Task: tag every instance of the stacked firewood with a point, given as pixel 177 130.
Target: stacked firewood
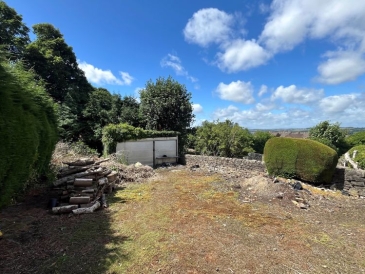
pixel 81 186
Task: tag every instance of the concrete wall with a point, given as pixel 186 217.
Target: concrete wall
pixel 148 151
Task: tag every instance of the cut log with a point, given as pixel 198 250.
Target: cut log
pixel 103 201
pixel 79 200
pixel 72 170
pixel 112 176
pixel 83 182
pixel 102 161
pixel 88 191
pixel 77 175
pixel 102 181
pixel 83 210
pixel 63 209
pixel 80 162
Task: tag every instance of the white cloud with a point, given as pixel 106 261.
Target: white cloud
pixel 197 108
pixel 126 78
pixel 174 62
pixel 337 103
pixel 264 107
pixel 292 21
pixel 263 90
pixel 292 94
pixel 263 8
pixel 208 26
pixel 99 76
pixel 236 91
pixel 242 55
pixel 137 95
pixel 341 66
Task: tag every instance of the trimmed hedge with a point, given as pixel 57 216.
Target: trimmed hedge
pixel 303 159
pixel 28 130
pixel 113 134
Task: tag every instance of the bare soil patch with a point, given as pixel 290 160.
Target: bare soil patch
pixel 186 221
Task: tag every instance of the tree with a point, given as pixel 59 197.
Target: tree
pixel 55 63
pixel 226 139
pixel 259 140
pixel 99 111
pixel 329 134
pixel 356 139
pixel 166 105
pixel 129 111
pixel 13 32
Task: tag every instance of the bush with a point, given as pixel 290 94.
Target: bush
pixel 356 139
pixel 113 134
pixel 28 130
pixel 360 155
pixel 303 159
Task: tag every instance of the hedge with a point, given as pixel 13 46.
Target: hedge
pixel 28 130
pixel 118 133
pixel 303 159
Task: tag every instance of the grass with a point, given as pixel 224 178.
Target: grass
pixel 187 222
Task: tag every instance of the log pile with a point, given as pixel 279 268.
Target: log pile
pixel 81 186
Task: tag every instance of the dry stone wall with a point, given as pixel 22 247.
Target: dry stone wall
pixel 351 181
pixel 230 167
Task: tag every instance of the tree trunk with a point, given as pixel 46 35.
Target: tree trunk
pixel 86 209
pixel 63 209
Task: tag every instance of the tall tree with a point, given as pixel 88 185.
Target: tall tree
pixel 329 134
pixel 13 32
pixel 55 63
pixel 100 110
pixel 166 105
pixel 129 111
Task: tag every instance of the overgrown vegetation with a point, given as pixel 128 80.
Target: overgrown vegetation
pixel 360 155
pixel 113 134
pixel 28 130
pixel 307 160
pixel 330 135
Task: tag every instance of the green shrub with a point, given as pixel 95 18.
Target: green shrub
pixel 28 130
pixel 303 159
pixel 356 139
pixel 113 134
pixel 360 155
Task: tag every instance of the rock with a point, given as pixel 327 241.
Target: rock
pixel 138 164
pixel 298 186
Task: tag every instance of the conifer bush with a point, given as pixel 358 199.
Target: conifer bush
pixel 303 159
pixel 28 130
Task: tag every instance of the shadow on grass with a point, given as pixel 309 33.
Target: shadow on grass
pixel 35 241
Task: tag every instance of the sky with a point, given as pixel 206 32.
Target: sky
pixel 263 64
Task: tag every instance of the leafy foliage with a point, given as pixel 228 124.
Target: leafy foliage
pixel 356 139
pixel 55 63
pixel 360 155
pixel 300 158
pixel 259 140
pixel 166 105
pixel 113 134
pixel 13 32
pixel 330 135
pixel 226 139
pixel 28 130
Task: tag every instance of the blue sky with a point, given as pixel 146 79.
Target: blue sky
pixel 262 64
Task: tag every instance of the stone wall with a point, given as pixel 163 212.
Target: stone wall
pixel 231 167
pixel 351 181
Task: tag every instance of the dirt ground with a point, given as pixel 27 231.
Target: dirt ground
pixel 185 221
